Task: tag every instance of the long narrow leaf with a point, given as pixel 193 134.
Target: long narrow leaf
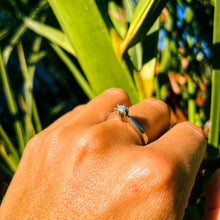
pixel 9 145
pixel 74 70
pixel 129 10
pixel 35 54
pixel 136 52
pixel 82 22
pixel 26 105
pixel 144 78
pixel 4 32
pixel 36 118
pixel 20 31
pixel 29 128
pixel 6 169
pixel 33 58
pixel 14 40
pixel 54 35
pixel 117 18
pixel 3 154
pixel 12 105
pixel 27 78
pixel 215 100
pixel 145 14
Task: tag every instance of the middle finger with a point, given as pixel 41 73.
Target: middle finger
pixel 153 116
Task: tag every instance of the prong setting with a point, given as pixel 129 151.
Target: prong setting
pixel 122 110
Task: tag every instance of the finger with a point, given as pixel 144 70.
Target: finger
pixel 66 117
pixel 185 142
pixel 181 150
pixel 212 215
pixel 125 132
pixel 184 147
pixel 69 115
pixel 97 109
pixel 213 194
pixel 153 116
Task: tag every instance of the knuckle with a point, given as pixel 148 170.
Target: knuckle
pixel 118 92
pixel 191 128
pixel 161 169
pixel 33 141
pixel 165 170
pixel 32 145
pixel 161 104
pixel 78 108
pixel 92 140
pixel 145 178
pixel 157 170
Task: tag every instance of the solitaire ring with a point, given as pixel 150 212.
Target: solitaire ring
pixel 121 111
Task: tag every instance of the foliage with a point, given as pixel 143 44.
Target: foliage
pixel 157 48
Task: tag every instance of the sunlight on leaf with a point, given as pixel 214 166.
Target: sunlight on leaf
pixel 145 14
pixel 51 33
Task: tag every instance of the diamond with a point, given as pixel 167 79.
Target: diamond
pixel 122 109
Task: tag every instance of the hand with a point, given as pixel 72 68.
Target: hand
pixel 85 167
pixel 213 198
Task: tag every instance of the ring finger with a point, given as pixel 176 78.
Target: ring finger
pixel 153 116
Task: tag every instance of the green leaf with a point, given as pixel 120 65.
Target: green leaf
pixel 12 105
pixel 189 13
pixel 54 35
pixel 117 18
pixel 191 100
pixel 165 56
pixel 5 168
pixel 36 118
pixel 9 145
pixel 20 31
pixel 215 100
pixel 129 10
pixel 4 33
pixel 136 55
pixel 27 79
pixel 145 14
pixel 13 41
pixel 144 78
pixel 7 158
pixel 136 52
pixel 33 58
pixel 26 105
pixel 82 22
pixel 74 70
pixel 35 54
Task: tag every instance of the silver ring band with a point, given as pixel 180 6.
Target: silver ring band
pixel 121 111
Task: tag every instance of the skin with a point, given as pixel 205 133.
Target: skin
pixel 213 198
pixel 85 167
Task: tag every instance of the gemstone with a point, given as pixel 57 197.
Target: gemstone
pixel 121 108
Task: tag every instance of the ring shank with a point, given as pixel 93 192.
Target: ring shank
pixel 138 129
pixel 132 123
